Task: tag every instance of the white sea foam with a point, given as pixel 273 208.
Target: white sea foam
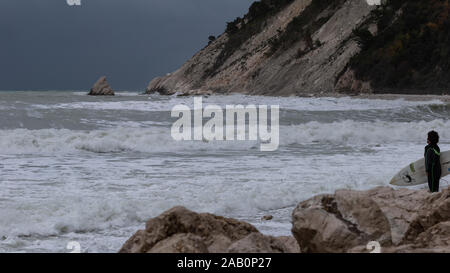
pixel 290 103
pixel 65 214
pixel 109 201
pixel 124 124
pixel 158 139
pixel 355 132
pixel 50 141
pixel 320 104
pixel 117 94
pixel 100 185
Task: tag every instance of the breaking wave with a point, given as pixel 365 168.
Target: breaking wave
pixel 158 139
pixel 353 132
pixel 288 103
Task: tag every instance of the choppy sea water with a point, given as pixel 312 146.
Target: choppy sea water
pixel 94 169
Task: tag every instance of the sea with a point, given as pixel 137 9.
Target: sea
pixel 93 170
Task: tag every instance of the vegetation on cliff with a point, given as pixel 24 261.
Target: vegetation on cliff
pixel 302 26
pixel 411 51
pixel 285 47
pixel 242 29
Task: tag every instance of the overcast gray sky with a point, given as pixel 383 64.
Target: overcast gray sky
pixel 48 45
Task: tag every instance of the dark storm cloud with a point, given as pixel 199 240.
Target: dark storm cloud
pixel 46 44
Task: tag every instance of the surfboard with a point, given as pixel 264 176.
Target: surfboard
pixel 414 174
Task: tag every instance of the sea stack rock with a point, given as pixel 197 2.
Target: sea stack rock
pixel 101 88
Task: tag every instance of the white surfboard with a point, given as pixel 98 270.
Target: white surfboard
pixel 414 174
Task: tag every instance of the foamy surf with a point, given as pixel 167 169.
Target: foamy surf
pixel 94 170
pixel 150 104
pixel 158 139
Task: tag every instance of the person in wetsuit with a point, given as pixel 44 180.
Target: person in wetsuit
pixel 432 161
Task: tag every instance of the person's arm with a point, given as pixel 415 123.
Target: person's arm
pixel 428 160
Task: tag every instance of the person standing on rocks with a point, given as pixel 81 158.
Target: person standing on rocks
pixel 432 161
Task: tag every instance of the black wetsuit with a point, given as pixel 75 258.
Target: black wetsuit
pixel 433 166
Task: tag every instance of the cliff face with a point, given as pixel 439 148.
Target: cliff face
pixel 278 48
pixel 300 47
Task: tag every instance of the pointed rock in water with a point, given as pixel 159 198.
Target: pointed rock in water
pixel 179 230
pixel 101 88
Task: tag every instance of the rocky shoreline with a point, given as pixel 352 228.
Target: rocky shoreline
pixel 398 220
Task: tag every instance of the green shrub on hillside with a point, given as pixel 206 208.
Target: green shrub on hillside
pixel 309 21
pixel 411 51
pixel 242 29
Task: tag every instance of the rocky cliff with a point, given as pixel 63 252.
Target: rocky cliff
pixel 299 47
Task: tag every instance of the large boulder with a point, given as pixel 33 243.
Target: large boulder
pixel 180 230
pixel 399 220
pixel 101 88
pixel 259 243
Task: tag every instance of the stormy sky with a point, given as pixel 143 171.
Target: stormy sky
pixel 49 45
